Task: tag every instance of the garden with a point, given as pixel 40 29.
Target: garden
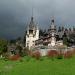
pixel 35 64
pixel 43 66
pixel 26 62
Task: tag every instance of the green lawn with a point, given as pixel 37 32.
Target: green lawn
pixel 37 67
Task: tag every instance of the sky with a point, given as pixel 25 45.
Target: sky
pixel 15 15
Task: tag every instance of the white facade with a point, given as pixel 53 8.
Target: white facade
pixel 32 34
pixel 52 33
pixel 53 41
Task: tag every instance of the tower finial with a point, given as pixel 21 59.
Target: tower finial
pixel 32 18
pixel 52 19
pixel 32 11
pixel 32 15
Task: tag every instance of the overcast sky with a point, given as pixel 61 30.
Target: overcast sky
pixel 16 14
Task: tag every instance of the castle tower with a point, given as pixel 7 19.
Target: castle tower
pixel 32 34
pixel 53 33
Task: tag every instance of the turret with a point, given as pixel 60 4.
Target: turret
pixel 52 27
pixel 32 34
pixel 52 33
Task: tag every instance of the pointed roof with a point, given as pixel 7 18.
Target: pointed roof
pixel 52 21
pixel 32 24
pixel 52 24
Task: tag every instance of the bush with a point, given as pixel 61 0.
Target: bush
pixel 52 53
pixel 68 54
pixel 14 57
pixel 36 54
pixel 60 56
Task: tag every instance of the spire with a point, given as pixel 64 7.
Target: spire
pixel 32 12
pixel 32 19
pixel 31 24
pixel 52 20
pixel 52 27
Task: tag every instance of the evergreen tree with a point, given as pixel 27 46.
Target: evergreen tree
pixel 3 46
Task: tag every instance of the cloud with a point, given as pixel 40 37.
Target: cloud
pixel 15 15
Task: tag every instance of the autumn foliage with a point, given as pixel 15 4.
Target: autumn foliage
pixel 68 54
pixel 52 53
pixel 14 57
pixel 36 54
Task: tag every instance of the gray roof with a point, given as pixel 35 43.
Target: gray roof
pixel 32 24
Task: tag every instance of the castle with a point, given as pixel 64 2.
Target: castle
pixel 32 36
pixel 52 39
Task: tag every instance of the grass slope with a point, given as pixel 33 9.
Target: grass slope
pixel 37 67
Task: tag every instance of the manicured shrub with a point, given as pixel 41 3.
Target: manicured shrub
pixel 14 57
pixel 36 54
pixel 68 54
pixel 60 56
pixel 52 53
